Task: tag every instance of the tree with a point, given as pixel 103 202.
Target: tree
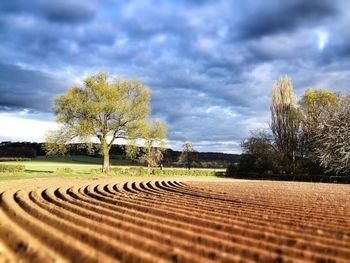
pixel 102 110
pixel 259 154
pixel 187 155
pixel 313 103
pixel 332 137
pixel 154 136
pixel 285 121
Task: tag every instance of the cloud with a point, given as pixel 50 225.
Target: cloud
pixel 271 17
pixel 27 89
pixel 16 128
pixel 210 64
pixel 60 11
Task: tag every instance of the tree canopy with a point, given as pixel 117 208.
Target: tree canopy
pixel 102 110
pixel 313 103
pixel 285 121
pixel 154 137
pixel 332 137
pixel 188 154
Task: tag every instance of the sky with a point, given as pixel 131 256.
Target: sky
pixel 210 65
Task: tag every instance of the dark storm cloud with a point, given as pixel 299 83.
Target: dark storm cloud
pixel 271 17
pixel 61 11
pixel 210 64
pixel 26 89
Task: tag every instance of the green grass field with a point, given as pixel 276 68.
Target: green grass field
pixel 80 166
pixel 78 163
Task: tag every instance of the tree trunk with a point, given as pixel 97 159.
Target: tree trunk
pixel 294 162
pixel 105 167
pixel 188 163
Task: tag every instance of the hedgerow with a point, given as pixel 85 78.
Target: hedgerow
pixel 11 168
pixel 14 159
pixel 141 171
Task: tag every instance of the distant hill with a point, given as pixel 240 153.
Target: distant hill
pixel 202 159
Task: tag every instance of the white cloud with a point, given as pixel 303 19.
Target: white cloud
pixel 16 128
pixel 322 39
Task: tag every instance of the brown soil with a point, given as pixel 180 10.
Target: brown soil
pixel 173 220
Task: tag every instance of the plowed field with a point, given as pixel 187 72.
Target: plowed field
pixel 173 220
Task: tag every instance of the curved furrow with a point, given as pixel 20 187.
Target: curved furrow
pixel 170 221
pixel 247 244
pixel 149 190
pixel 135 186
pixel 273 207
pixel 17 242
pixel 27 215
pixel 296 221
pixel 288 235
pixel 245 233
pixel 181 184
pixel 145 221
pixel 229 211
pixel 206 191
pixel 119 245
pixel 285 215
pixel 127 189
pixel 274 204
pixel 142 228
pixel 150 186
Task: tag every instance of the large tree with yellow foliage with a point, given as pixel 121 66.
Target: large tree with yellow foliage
pixel 103 110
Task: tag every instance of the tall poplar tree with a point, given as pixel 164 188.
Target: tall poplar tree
pixel 285 121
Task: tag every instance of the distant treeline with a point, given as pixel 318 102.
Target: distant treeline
pixel 201 159
pixel 21 149
pixel 31 150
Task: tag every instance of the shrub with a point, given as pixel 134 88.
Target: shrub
pixel 185 172
pixel 142 171
pixel 340 179
pixel 134 171
pixel 10 168
pixel 232 169
pixel 96 171
pixel 64 170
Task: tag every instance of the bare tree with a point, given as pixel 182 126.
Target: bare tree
pixel 187 156
pixel 332 137
pixel 285 121
pixel 154 136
